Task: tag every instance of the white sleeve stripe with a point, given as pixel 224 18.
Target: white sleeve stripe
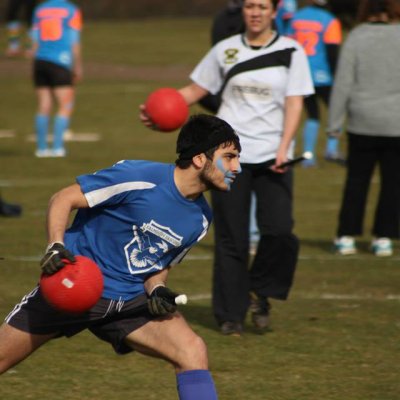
pixel 99 195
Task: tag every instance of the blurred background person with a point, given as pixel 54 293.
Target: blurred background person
pixel 57 67
pixel 18 14
pixel 284 14
pixel 366 90
pixel 320 33
pixel 262 77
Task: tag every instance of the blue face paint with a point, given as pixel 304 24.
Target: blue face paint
pixel 228 175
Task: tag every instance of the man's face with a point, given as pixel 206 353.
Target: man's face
pixel 220 172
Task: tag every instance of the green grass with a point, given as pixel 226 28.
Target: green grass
pixel 337 336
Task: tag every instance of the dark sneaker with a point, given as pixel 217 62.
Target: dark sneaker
pixel 231 328
pixel 336 158
pixel 259 307
pixel 10 210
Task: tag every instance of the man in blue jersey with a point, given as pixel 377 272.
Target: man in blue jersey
pixel 57 67
pixel 320 33
pixel 136 220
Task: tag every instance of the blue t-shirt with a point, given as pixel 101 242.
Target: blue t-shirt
pixel 314 28
pixel 137 223
pixel 56 28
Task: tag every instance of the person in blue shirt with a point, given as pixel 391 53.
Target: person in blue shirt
pixel 284 14
pixel 320 33
pixel 57 68
pixel 136 220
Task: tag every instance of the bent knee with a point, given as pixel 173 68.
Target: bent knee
pixel 193 354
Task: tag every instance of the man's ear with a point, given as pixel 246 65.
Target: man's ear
pixel 199 160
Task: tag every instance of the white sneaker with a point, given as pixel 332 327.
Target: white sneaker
pixel 345 245
pixel 43 153
pixel 58 153
pixel 382 247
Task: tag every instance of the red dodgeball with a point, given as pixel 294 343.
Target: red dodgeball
pixel 75 288
pixel 167 109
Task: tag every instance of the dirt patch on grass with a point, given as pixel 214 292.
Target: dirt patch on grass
pixel 15 68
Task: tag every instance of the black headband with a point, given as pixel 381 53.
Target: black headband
pixel 210 142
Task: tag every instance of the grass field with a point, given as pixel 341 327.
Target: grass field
pixel 336 338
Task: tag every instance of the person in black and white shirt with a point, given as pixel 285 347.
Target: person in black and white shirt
pixel 263 77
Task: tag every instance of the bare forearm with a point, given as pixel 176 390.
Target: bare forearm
pixel 60 206
pixel 193 93
pixel 159 279
pixel 293 110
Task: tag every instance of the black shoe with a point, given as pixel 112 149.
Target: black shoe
pixel 231 328
pixel 336 158
pixel 10 210
pixel 259 307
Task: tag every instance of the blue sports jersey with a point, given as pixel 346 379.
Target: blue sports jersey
pixel 56 28
pixel 284 13
pixel 137 223
pixel 314 28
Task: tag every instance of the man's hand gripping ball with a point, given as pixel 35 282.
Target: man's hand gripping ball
pixel 53 259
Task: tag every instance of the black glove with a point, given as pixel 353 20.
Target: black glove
pixel 162 301
pixel 52 260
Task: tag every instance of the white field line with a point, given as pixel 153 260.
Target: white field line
pixel 72 137
pixel 323 296
pixel 7 133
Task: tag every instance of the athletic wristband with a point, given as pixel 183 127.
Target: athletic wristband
pixel 155 287
pixel 52 244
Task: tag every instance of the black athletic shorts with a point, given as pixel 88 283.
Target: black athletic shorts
pixel 109 320
pixel 48 74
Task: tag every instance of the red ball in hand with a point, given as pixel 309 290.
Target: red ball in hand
pixel 167 108
pixel 75 288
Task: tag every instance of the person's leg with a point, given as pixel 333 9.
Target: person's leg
pixel 173 340
pixel 387 214
pixel 16 345
pixel 273 268
pixel 65 99
pixel 45 102
pixel 231 227
pixel 362 157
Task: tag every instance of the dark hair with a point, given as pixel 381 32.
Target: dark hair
pixel 275 3
pixel 371 8
pixel 203 134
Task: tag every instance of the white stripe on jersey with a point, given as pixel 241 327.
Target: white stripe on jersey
pixel 19 305
pixel 99 195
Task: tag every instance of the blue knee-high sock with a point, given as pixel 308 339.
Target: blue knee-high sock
pixel 196 385
pixel 310 134
pixel 41 128
pixel 332 145
pixel 60 126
